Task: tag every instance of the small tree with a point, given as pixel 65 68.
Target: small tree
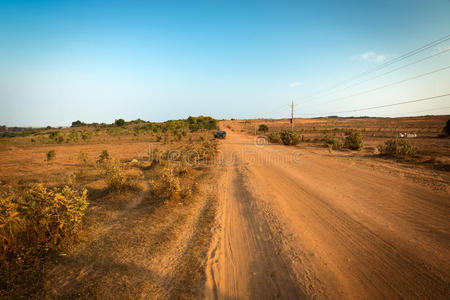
pixel 119 122
pixel 263 128
pixel 78 123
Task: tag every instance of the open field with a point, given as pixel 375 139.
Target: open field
pixel 146 230
pixel 433 149
pixel 173 213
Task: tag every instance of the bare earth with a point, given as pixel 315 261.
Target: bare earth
pixel 305 223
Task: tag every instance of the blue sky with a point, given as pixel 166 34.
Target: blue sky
pixel 96 61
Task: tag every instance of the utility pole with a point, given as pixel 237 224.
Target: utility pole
pixel 292 115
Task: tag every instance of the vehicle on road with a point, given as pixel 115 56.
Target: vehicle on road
pixel 220 134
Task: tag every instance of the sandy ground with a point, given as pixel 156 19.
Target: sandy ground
pixel 305 223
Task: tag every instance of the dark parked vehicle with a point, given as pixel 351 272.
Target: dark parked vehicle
pixel 220 135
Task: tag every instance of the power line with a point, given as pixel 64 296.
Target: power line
pixel 388 63
pixel 387 105
pixel 380 75
pixel 384 86
pixel 418 111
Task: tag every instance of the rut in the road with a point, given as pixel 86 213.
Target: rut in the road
pixel 254 264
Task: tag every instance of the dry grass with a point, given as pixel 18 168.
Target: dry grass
pixel 431 145
pixel 138 231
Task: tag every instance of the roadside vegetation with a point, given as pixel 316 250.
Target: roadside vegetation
pixel 46 217
pixel 352 140
pixel 85 133
pixel 290 137
pixel 400 148
pixel 421 140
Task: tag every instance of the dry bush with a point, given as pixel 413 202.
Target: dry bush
pixel 333 142
pixel 112 171
pixel 103 156
pixel 37 216
pixel 158 157
pixel 290 137
pixel 166 185
pixel 274 137
pixel 50 155
pixel 263 128
pixel 183 168
pixel 353 140
pixel 398 148
pixel 83 158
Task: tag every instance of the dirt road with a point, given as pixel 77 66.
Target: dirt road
pixel 306 223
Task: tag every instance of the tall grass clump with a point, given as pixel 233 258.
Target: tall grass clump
pixel 398 148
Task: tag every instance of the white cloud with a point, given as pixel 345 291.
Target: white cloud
pixel 370 56
pixel 295 84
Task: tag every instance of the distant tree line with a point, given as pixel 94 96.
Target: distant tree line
pixel 192 123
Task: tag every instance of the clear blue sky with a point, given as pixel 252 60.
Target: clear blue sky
pixel 95 61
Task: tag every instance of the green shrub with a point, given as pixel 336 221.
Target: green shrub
pixel 56 137
pixel 274 137
pixel 37 216
pixel 353 140
pixel 398 148
pixel 73 137
pixel 290 137
pixel 86 135
pixel 50 155
pixel 333 141
pixel 263 128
